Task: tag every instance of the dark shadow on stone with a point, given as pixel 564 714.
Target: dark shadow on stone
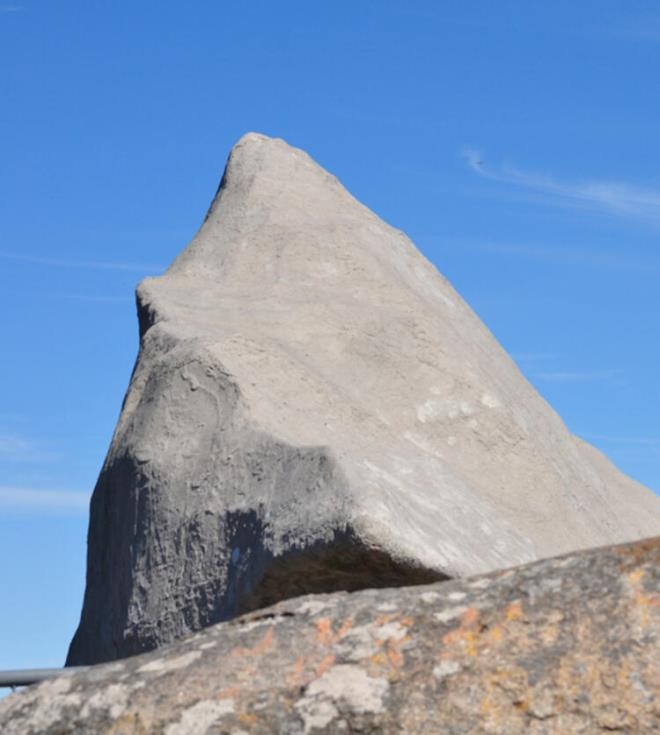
pixel 343 564
pixel 246 577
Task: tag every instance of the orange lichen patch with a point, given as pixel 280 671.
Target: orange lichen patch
pixel 467 634
pixel 454 636
pixel 395 657
pixel 325 635
pixel 325 664
pixel 470 617
pixel 644 601
pixel 635 554
pixel 228 693
pixel 295 676
pixel 346 626
pixel 324 631
pixel 514 612
pixel 265 644
pixel 460 636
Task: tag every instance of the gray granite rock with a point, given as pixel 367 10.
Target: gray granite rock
pixel 563 646
pixel 315 408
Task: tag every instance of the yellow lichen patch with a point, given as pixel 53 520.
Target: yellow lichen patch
pixel 130 722
pixel 467 634
pixel 633 555
pixel 247 718
pixel 514 612
pixel 471 643
pixel 549 634
pixel 644 602
pixel 616 692
pixel 505 689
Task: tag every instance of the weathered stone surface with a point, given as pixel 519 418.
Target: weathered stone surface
pixel 562 646
pixel 315 408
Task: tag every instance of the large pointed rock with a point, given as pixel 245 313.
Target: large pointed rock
pixel 315 408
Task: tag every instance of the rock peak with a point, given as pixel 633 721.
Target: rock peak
pixel 274 203
pixel 315 408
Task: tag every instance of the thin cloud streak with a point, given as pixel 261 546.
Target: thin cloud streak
pixel 617 198
pixel 599 258
pixel 565 376
pixel 533 356
pixel 639 28
pixel 13 445
pixel 43 500
pixel 651 441
pixel 15 448
pixel 575 256
pixel 84 264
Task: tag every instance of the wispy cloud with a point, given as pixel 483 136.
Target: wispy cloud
pixel 13 445
pixel 637 28
pixel 613 197
pixel 533 356
pixel 67 501
pixel 10 8
pixel 16 448
pixel 641 441
pixel 578 376
pixel 84 264
pixel 577 256
pixel 97 298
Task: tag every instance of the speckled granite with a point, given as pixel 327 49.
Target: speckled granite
pixel 567 645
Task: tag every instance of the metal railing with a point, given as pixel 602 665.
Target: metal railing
pixel 25 677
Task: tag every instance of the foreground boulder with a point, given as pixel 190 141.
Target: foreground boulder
pixel 315 408
pixel 569 645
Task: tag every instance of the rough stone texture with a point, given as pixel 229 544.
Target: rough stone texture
pixel 315 408
pixel 570 645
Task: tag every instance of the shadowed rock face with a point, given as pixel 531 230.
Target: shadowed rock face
pixel 562 646
pixel 315 408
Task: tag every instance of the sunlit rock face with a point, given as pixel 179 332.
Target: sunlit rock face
pixel 314 408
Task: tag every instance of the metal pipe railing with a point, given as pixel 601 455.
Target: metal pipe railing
pixel 25 677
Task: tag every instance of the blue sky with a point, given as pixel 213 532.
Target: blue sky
pixel 515 142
